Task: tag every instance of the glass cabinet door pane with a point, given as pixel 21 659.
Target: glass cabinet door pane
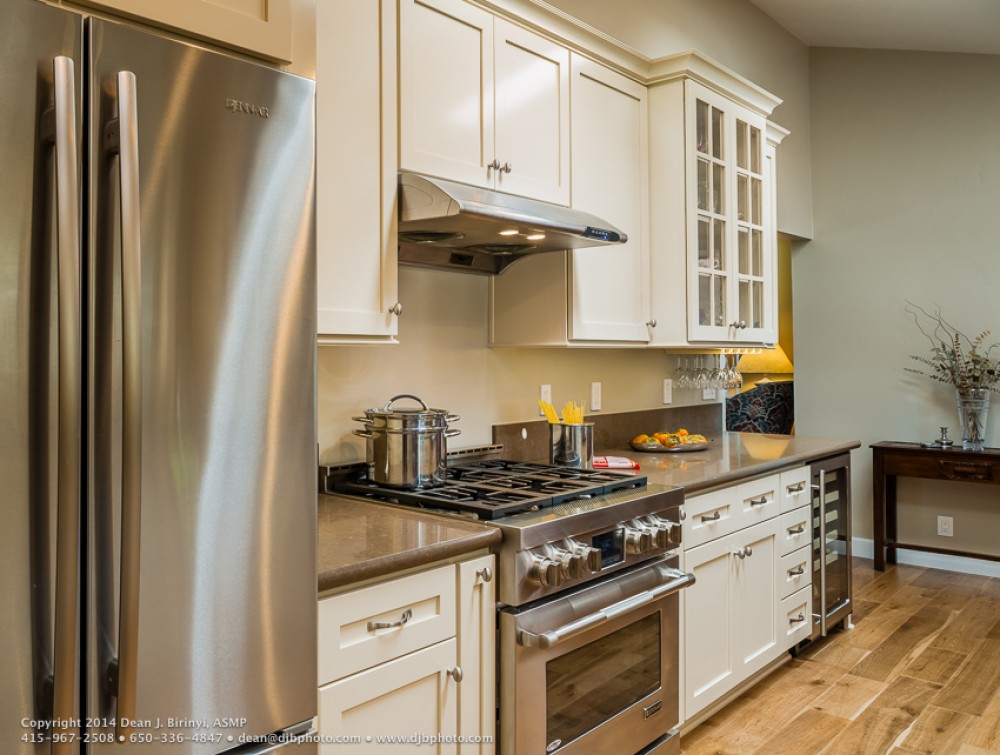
pixel 745 314
pixel 719 245
pixel 741 146
pixel 705 299
pixel 703 183
pixel 757 319
pixel 720 300
pixel 755 200
pixel 744 251
pixel 701 125
pixel 718 189
pixel 704 245
pixel 741 197
pixel 717 135
pixel 755 150
pixel 757 254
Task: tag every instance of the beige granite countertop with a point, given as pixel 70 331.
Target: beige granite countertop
pixel 360 540
pixel 731 457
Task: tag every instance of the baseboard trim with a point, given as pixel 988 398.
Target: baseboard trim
pixel 864 547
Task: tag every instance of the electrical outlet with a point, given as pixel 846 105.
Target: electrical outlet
pixel 545 394
pixel 946 526
pixel 595 397
pixel 708 394
pixel 668 391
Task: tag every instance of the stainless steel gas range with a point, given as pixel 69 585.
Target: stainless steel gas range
pixel 588 586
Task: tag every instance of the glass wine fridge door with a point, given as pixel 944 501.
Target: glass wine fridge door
pixel 831 508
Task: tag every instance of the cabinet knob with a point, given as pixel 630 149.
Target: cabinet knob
pixel 651 323
pixel 738 324
pixel 485 574
pixel 495 165
pixel 396 309
pixel 506 168
pixel 456 673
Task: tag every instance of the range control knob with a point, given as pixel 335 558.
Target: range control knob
pixel 591 556
pixel 662 531
pixel 637 541
pixel 544 572
pixel 571 565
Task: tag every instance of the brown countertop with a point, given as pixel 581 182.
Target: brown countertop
pixel 731 457
pixel 360 540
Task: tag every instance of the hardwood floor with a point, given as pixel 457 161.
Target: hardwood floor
pixel 919 673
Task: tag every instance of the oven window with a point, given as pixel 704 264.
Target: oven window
pixel 591 684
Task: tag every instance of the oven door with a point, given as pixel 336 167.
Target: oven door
pixel 593 670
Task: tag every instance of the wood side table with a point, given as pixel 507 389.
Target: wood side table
pixel 892 459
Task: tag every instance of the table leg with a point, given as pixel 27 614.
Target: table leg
pixel 890 519
pixel 878 509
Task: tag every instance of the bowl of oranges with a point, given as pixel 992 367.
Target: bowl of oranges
pixel 678 441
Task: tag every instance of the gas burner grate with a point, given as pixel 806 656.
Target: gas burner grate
pixel 492 489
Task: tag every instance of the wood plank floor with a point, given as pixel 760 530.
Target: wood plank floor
pixel 919 673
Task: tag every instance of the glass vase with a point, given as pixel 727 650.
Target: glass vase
pixel 973 405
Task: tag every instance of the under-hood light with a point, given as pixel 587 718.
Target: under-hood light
pixel 509 232
pixel 536 237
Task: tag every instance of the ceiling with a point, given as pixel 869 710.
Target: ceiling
pixel 971 26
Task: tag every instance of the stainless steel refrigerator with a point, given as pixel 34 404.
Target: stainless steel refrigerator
pixel 157 418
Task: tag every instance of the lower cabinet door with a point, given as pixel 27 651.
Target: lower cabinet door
pixel 709 664
pixel 405 704
pixel 757 639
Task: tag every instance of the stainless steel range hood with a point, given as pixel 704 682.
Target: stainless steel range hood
pixel 465 228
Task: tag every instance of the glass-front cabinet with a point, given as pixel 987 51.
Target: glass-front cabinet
pixel 731 274
pixel 712 220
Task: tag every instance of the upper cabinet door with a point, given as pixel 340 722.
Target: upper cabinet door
pixel 532 114
pixel 609 286
pixel 356 243
pixel 446 90
pixel 260 27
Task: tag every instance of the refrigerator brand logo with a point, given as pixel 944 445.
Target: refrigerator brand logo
pixel 236 106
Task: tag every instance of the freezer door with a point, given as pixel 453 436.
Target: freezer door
pixel 39 371
pixel 203 456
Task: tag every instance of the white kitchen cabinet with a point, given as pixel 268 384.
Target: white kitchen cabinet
pixel 411 656
pixel 259 27
pixel 597 295
pixel 714 275
pixel 482 101
pixel 753 582
pixel 356 240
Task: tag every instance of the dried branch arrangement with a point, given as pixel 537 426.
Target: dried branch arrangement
pixel 955 358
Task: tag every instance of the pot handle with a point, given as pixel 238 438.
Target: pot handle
pixel 388 407
pixel 361 419
pixel 452 418
pixel 362 434
pixel 449 433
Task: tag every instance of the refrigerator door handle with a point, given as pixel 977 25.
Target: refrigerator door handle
pixel 69 401
pixel 126 671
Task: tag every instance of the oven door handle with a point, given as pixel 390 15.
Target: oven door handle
pixel 554 636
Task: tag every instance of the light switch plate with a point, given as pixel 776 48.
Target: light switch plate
pixel 545 394
pixel 595 397
pixel 708 394
pixel 668 391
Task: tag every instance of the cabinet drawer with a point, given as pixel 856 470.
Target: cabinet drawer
pixel 796 616
pixel 795 572
pixel 709 516
pixel 794 530
pixel 757 500
pixel 794 488
pixel 419 609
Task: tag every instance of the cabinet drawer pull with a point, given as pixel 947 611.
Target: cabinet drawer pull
pixel 798 571
pixel 797 488
pixel 711 517
pixel 456 673
pixel 485 574
pixel 758 501
pixel 797 619
pixel 407 615
pixel 797 530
